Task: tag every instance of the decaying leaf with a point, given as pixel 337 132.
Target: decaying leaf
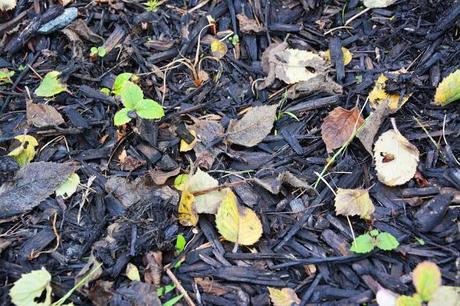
pixel 6 5
pixel 160 177
pixel 218 48
pixel 184 146
pixel 69 187
pixel 427 279
pixel 132 272
pixel 274 184
pixel 339 125
pixel 248 25
pixel 187 214
pixel 42 115
pixel 235 223
pixel 24 153
pixel 445 296
pixel 50 85
pixel 255 125
pixel 30 287
pixel 283 297
pixel 347 56
pixel 351 202
pixel 379 95
pixel 448 90
pixel 211 286
pixel 207 131
pixel 385 297
pixel 396 158
pixel 367 133
pixel 378 3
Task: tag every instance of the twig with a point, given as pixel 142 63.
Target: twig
pixel 180 288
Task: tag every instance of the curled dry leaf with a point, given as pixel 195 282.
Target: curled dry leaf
pixel 351 202
pixel 339 126
pixel 207 131
pixel 255 125
pixel 378 95
pixel 367 134
pixel 283 297
pixel 248 25
pixel 396 158
pixel 448 90
pixel 378 3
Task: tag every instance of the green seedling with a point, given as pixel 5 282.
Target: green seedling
pixel 98 51
pixel 367 242
pixel 132 98
pixel 234 39
pixel 152 5
pixel 5 76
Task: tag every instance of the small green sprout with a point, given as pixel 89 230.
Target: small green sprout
pixel 152 5
pixel 234 39
pixel 367 242
pixel 5 76
pixel 98 51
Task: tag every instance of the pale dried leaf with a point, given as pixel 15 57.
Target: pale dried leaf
pixel 378 3
pixel 160 177
pixel 367 134
pixel 209 202
pixel 283 297
pixel 6 5
pixel 42 115
pixel 386 297
pixel 255 125
pixel 352 202
pixel 248 25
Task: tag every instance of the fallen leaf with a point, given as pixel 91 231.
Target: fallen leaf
pixel 283 297
pixel 351 202
pixel 153 268
pixel 30 287
pixel 448 90
pixel 347 56
pixel 160 177
pixel 50 85
pixel 69 187
pixel 248 25
pixel 206 203
pixel 385 297
pixel 180 181
pixel 207 131
pixel 135 294
pixel 184 146
pixel 6 5
pixel 367 133
pixel 100 292
pixel 32 184
pixel 339 125
pixel 427 279
pixel 187 214
pixel 218 49
pixel 211 286
pixel 378 95
pixel 255 125
pixel 404 300
pixel 132 272
pixel 274 184
pixel 445 296
pixel 235 223
pixel 378 3
pixel 42 115
pixel 25 152
pixel 396 158
pixel 5 75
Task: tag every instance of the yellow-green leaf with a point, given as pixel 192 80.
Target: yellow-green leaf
pixel 68 188
pixel 283 297
pixel 404 300
pixel 50 85
pixel 448 90
pixel 180 181
pixel 445 296
pixel 132 272
pixel 235 223
pixel 218 48
pixel 25 152
pixel 427 279
pixel 351 202
pixel 5 75
pixel 29 287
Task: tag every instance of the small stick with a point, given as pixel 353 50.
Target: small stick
pixel 204 191
pixel 180 288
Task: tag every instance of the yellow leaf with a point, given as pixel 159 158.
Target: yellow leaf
pixel 283 297
pixel 378 95
pixel 448 90
pixel 187 214
pixel 351 202
pixel 427 279
pixel 347 56
pixel 235 223
pixel 396 158
pixel 184 146
pixel 25 152
pixel 132 272
pixel 218 48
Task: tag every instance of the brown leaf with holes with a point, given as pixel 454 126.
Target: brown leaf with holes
pixel 339 126
pixel 42 115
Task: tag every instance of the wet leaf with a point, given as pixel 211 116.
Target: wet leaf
pixel 42 115
pixel 120 81
pixel 363 244
pixel 50 85
pixel 449 89
pixel 396 158
pixel 69 187
pixel 445 296
pixel 283 297
pixel 5 74
pixel 347 56
pixel 386 241
pixel 378 3
pixel 237 224
pixel 6 5
pixel 184 146
pixel 339 125
pixel 218 48
pixel 255 125
pixel 352 202
pixel 30 287
pixel 378 95
pixel 132 272
pixel 427 279
pixel 404 300
pixel 187 214
pixel 25 152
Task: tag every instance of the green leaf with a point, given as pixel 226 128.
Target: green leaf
pixel 166 289
pixel 29 287
pixel 101 51
pixel 131 95
pixel 149 109
pixel 386 241
pixel 105 91
pixel 50 85
pixel 374 233
pixel 180 181
pixel 173 301
pixel 5 76
pixel 448 90
pixel 404 300
pixel 180 243
pixel 120 80
pixel 93 51
pixel 363 244
pixel 427 279
pixel 121 117
pixel 68 188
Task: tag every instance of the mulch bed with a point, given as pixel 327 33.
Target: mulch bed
pixel 306 249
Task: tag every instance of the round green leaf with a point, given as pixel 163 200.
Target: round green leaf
pixel 120 80
pixel 386 242
pixel 404 300
pixel 180 243
pixel 427 279
pixel 121 117
pixel 131 95
pixel 68 188
pixel 149 109
pixel 363 244
pixel 180 181
pixel 374 233
pixel 101 51
pixel 50 85
pixel 29 287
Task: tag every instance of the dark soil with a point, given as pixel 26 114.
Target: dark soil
pixel 306 249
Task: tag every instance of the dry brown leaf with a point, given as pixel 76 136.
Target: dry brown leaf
pixel 248 25
pixel 255 125
pixel 396 158
pixel 160 177
pixel 339 126
pixel 352 202
pixel 206 132
pixel 283 297
pixel 367 134
pixel 153 268
pixel 211 286
pixel 42 115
